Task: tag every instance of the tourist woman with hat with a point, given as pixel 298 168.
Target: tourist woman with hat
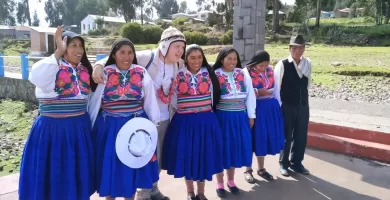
pixel 127 93
pixel 235 112
pixel 162 64
pixel 58 158
pixel 193 142
pixel 292 82
pixel 267 133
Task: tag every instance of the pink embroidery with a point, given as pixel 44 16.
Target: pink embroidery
pixel 67 85
pixel 119 85
pixel 263 80
pixel 224 84
pixel 203 83
pixel 239 81
pixel 187 85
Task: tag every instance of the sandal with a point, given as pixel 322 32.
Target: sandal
pixel 265 175
pixel 249 176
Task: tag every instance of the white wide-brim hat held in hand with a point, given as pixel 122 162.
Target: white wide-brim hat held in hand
pixel 136 142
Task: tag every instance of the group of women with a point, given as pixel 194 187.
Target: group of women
pixel 222 115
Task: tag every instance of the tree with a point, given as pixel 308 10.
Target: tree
pixel 275 16
pixel 20 14
pixel 99 22
pixel 35 21
pixel 183 7
pixel 318 13
pixel 199 3
pixel 7 8
pixel 140 4
pixel 55 11
pixel 207 7
pixel 27 12
pixel 125 8
pixel 149 13
pixel 165 8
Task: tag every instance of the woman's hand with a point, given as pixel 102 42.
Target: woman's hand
pixel 263 92
pixel 61 43
pixel 98 74
pixel 251 122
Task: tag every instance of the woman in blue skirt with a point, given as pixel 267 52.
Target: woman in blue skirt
pixel 58 158
pixel 127 93
pixel 193 143
pixel 235 112
pixel 268 131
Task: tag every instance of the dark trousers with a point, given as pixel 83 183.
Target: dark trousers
pixel 296 121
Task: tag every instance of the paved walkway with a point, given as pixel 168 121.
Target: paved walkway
pixel 334 177
pixel 369 116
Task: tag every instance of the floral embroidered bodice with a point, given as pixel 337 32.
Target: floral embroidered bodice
pixel 233 84
pixel 72 82
pixel 263 80
pixel 193 84
pixel 123 85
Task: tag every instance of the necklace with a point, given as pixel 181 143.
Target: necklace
pixel 167 98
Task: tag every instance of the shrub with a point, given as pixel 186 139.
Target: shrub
pixel 211 40
pixel 94 32
pixel 132 31
pixel 227 38
pixel 180 21
pixel 151 34
pixel 195 37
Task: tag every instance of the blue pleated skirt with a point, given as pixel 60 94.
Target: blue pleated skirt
pixel 193 146
pixel 58 160
pixel 115 179
pixel 236 138
pixel 268 130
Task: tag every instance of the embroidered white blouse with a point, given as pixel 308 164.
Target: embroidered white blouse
pixel 189 84
pixel 133 84
pixel 156 72
pixel 58 79
pixel 238 85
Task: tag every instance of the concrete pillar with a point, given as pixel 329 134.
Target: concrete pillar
pixel 248 27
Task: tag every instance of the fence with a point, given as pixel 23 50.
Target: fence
pixel 24 66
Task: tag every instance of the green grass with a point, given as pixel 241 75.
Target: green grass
pixel 15 122
pixel 373 31
pixel 338 22
pixel 344 21
pixel 354 61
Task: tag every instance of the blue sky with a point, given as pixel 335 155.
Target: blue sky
pixel 34 4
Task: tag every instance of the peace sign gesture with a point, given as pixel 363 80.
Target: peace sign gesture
pixel 61 43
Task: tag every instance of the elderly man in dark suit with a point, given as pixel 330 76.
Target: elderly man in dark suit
pixel 292 81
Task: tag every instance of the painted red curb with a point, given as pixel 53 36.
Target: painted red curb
pixel 375 151
pixel 348 132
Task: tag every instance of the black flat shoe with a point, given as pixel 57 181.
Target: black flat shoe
pixel 191 198
pixel 300 169
pixel 221 192
pixel 198 198
pixel 234 190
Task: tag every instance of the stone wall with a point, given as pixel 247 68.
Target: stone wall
pixel 17 89
pixel 249 27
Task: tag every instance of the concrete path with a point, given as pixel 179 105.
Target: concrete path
pixel 368 116
pixel 334 177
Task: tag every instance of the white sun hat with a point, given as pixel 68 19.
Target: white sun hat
pixel 136 142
